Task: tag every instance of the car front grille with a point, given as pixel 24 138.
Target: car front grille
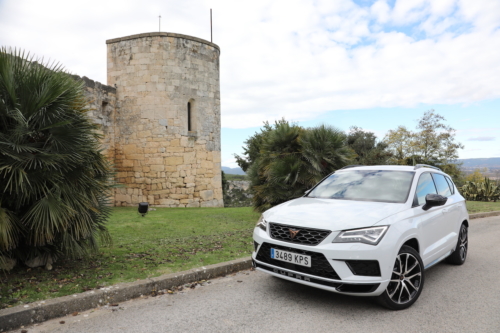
pixel 304 236
pixel 319 264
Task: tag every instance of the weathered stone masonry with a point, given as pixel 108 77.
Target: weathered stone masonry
pixel 144 117
pixel 102 109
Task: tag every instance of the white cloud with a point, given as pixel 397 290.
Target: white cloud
pixel 485 14
pixel 442 7
pixel 409 11
pixel 381 11
pixel 230 163
pixel 295 59
pixel 483 138
pixel 481 131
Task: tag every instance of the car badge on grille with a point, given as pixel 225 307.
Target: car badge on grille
pixel 293 233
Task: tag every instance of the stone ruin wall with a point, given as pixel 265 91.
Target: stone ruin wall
pixel 156 157
pixel 102 104
pixel 144 120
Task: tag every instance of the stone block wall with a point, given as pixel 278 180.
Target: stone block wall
pixel 102 109
pixel 157 157
pixel 102 106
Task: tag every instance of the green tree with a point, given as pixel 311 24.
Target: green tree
pixel 433 143
pixel 224 186
pixel 366 147
pixel 292 159
pixel 401 143
pixel 477 176
pixel 224 182
pixel 54 181
pixel 251 150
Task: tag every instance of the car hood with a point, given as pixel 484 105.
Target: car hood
pixel 331 214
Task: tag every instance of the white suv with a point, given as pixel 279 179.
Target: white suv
pixel 366 231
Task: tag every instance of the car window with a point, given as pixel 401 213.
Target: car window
pixel 442 185
pixel 452 186
pixel 425 186
pixel 366 185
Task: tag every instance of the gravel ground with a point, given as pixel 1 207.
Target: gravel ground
pixel 455 299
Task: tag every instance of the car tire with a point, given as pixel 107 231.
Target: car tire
pixel 407 280
pixel 458 256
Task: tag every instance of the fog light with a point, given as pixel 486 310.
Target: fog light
pixel 143 208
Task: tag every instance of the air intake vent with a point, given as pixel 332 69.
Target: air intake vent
pixel 364 267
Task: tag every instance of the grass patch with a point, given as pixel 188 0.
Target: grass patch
pixel 482 207
pixel 166 240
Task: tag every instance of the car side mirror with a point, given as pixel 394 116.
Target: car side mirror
pixel 433 200
pixel 307 192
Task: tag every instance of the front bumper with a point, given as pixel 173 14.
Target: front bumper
pixel 335 274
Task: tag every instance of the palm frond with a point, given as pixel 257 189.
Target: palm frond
pixel 54 181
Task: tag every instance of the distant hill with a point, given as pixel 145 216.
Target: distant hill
pixel 233 171
pixel 493 162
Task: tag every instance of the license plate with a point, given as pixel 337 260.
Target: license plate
pixel 294 258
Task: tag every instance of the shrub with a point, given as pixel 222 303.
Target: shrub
pixel 481 191
pixel 54 181
pixel 292 159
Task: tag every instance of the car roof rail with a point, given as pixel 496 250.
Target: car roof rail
pixel 351 166
pixel 418 166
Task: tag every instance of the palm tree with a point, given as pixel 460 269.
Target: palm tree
pixel 54 181
pixel 293 159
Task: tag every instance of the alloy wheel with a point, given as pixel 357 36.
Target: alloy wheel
pixel 463 242
pixel 405 280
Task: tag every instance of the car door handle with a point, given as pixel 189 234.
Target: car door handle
pixel 445 210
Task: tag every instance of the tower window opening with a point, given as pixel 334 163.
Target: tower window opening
pixel 189 117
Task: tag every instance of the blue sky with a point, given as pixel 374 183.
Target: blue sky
pixel 372 64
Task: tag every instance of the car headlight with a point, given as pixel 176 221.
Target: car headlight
pixel 370 236
pixel 262 223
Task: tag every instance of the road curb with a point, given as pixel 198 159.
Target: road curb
pixel 481 215
pixel 24 315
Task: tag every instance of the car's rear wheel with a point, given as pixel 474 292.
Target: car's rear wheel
pixel 407 280
pixel 458 256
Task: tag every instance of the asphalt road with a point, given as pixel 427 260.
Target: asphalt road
pixel 455 299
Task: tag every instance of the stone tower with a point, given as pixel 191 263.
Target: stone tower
pixel 167 124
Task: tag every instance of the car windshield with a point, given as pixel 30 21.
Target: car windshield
pixel 366 185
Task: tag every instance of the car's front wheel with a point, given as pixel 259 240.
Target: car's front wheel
pixel 407 280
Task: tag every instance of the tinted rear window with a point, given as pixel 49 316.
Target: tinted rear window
pixel 366 185
pixel 452 186
pixel 442 185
